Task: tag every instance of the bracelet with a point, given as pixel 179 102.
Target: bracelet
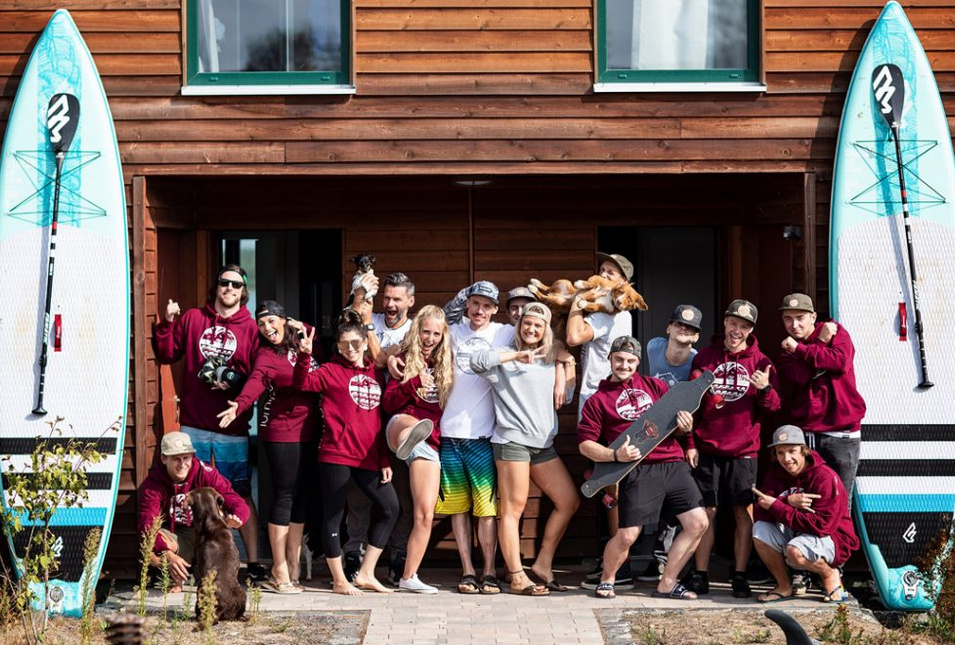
pixel 615 459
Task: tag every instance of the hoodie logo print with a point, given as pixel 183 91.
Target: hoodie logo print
pixel 217 342
pixel 632 403
pixel 364 391
pixel 462 355
pixel 293 359
pixel 732 381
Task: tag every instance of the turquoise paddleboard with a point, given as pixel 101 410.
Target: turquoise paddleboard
pixel 905 491
pixel 86 377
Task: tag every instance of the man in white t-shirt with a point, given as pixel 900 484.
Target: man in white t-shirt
pixel 596 331
pixel 384 332
pixel 468 477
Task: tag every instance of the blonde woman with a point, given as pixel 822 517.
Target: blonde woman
pixel 416 401
pixel 522 379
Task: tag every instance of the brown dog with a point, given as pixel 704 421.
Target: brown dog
pixel 215 551
pixel 601 295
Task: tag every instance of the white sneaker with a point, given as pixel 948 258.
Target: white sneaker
pixel 419 432
pixel 414 585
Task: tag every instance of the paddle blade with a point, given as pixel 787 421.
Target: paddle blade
pixel 888 88
pixel 62 117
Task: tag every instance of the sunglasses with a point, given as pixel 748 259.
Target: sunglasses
pixel 235 284
pixel 350 344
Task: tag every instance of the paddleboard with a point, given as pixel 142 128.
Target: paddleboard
pixel 87 371
pixel 905 490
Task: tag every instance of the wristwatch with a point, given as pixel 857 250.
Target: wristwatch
pixel 369 327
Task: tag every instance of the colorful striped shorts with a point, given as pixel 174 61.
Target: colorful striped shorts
pixel 468 478
pixel 228 454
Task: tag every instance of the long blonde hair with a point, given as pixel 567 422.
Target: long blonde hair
pixel 550 353
pixel 440 355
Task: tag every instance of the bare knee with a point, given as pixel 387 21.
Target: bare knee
pixel 695 522
pixel 424 517
pixel 794 556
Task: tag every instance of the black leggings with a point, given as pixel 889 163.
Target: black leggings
pixel 333 479
pixel 287 467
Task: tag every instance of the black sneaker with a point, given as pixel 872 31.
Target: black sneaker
pixel 758 574
pixel 257 572
pixel 396 567
pixel 741 586
pixel 352 564
pixel 593 576
pixel 623 581
pixel 697 581
pixel 651 573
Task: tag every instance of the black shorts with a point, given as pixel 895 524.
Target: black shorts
pixel 730 479
pixel 649 489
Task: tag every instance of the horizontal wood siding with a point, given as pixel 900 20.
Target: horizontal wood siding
pixel 457 88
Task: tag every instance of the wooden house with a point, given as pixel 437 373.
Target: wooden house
pixel 469 139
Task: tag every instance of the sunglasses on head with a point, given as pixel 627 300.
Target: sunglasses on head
pixel 235 284
pixel 350 344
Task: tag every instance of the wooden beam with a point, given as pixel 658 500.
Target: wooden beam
pixel 809 233
pixel 138 274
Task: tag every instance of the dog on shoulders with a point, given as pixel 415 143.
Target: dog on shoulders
pixel 600 294
pixel 215 550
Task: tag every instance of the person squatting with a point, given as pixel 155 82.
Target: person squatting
pixel 447 412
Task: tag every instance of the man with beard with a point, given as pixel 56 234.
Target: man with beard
pixel 725 442
pixel 222 332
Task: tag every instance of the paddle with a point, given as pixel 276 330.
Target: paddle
pixel 62 117
pixel 888 88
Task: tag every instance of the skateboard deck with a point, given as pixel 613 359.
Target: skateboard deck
pixel 648 431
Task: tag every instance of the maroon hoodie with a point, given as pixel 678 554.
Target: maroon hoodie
pixel 287 415
pixel 197 335
pixel 351 402
pixel 727 423
pixel 819 383
pixel 831 511
pixel 159 495
pixel 411 398
pixel 616 405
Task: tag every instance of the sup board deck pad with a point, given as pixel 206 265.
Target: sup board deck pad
pixel 904 495
pixel 87 374
pixel 649 430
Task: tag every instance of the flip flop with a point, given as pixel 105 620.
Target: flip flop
pixel 841 598
pixel 490 585
pixel 678 592
pixel 774 596
pixel 468 585
pixel 284 588
pixel 605 590
pixel 553 585
pixel 530 590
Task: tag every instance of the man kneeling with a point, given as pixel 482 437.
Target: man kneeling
pixel 802 518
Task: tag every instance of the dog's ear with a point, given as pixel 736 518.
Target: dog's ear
pixel 220 500
pixel 188 499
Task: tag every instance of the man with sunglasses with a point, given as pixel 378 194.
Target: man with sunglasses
pixel 221 334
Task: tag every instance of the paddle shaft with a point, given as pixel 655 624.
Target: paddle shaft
pixel 926 383
pixel 51 264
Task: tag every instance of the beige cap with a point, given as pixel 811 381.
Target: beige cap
pixel 176 443
pixel 623 263
pixel 538 310
pixel 797 301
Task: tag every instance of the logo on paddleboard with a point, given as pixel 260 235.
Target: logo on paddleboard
pixel 731 381
pixel 632 403
pixel 909 536
pixel 910 584
pixel 364 391
pixel 217 342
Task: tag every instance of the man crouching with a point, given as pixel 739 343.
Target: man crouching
pixel 802 518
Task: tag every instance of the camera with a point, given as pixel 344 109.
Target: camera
pixel 215 373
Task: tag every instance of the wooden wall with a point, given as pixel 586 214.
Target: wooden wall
pixel 465 88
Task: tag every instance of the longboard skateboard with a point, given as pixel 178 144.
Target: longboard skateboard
pixel 648 431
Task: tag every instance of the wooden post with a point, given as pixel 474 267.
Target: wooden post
pixel 138 275
pixel 809 234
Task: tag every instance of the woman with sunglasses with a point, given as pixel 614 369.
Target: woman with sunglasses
pixel 416 401
pixel 351 448
pixel 522 381
pixel 288 429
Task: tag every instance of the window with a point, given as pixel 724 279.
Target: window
pixel 267 46
pixel 678 44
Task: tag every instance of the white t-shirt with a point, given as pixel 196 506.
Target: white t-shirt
pixel 469 413
pixel 387 336
pixel 595 355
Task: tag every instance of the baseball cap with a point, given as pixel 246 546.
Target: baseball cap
pixel 627 344
pixel 520 292
pixel 484 288
pixel 537 309
pixel 788 435
pixel 176 443
pixel 623 263
pixel 269 308
pixel 742 309
pixel 797 301
pixel 688 315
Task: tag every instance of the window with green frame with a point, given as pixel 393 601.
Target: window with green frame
pixel 678 41
pixel 267 42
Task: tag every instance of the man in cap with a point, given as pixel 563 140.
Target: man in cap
pixel 163 495
pixel 468 476
pixel 817 373
pixel 802 518
pixel 516 299
pixel 662 478
pixel 724 446
pixel 222 332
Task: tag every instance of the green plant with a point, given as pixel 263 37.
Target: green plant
pixel 255 600
pixel 146 545
pixel 88 623
pixel 207 602
pixel 839 630
pixel 650 636
pixel 165 584
pixel 54 478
